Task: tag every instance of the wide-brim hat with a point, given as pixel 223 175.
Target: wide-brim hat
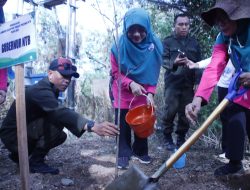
pixel 64 66
pixel 235 9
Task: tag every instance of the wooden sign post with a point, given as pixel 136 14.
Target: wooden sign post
pixel 18 46
pixel 21 127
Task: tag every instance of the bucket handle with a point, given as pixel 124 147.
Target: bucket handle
pixel 152 110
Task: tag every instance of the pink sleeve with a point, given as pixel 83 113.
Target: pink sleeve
pixel 125 81
pixel 212 73
pixel 3 79
pixel 151 89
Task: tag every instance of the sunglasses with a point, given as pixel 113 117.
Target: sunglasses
pixel 66 66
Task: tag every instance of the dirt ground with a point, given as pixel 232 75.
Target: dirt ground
pixel 88 163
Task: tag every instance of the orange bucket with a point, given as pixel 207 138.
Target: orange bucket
pixel 141 119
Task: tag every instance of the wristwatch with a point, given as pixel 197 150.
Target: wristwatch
pixel 90 125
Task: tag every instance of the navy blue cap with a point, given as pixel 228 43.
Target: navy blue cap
pixel 64 66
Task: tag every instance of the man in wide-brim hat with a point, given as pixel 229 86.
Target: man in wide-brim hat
pixel 233 20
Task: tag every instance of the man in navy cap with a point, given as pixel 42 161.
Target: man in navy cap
pixel 46 118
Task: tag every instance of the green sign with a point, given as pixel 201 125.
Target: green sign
pixel 18 41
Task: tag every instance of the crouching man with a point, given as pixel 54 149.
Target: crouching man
pixel 46 118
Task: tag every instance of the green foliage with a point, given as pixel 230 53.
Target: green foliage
pixel 162 22
pixel 47 38
pixel 97 49
pixel 208 109
pixel 193 8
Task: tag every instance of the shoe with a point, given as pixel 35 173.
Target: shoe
pixel 169 143
pixel 180 141
pixel 14 157
pixel 41 167
pixel 145 159
pixel 222 158
pixel 123 163
pixel 228 169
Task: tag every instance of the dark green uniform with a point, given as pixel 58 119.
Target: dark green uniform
pixel 179 82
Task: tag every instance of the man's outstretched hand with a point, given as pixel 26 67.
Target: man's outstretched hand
pixel 105 129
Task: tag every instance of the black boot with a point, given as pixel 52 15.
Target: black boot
pixel 37 164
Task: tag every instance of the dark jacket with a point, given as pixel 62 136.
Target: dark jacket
pixel 42 102
pixel 180 76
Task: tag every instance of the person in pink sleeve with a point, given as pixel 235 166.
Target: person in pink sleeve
pixel 3 85
pixel 139 53
pixel 233 20
pixel 3 72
